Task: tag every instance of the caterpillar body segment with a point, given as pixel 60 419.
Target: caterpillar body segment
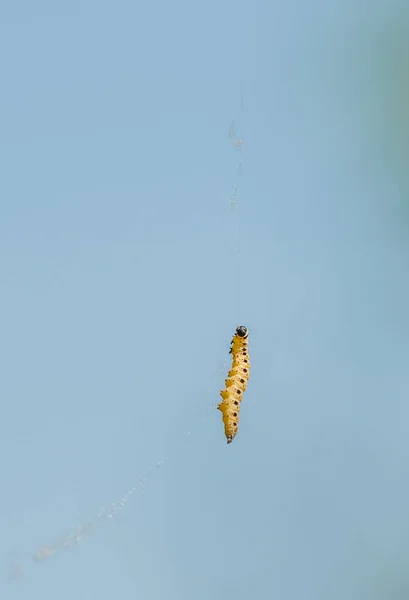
pixel 236 383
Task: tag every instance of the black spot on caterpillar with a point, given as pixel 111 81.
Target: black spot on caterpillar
pixel 236 383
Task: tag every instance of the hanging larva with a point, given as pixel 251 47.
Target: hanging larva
pixel 236 383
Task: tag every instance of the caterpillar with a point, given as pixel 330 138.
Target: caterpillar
pixel 236 383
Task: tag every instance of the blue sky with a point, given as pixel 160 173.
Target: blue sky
pixel 118 299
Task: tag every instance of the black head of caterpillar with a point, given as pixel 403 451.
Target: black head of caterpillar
pixel 242 331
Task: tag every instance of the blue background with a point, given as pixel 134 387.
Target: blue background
pixel 118 296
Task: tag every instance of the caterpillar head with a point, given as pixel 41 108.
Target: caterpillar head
pixel 242 331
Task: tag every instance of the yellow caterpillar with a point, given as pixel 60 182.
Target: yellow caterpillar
pixel 236 383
